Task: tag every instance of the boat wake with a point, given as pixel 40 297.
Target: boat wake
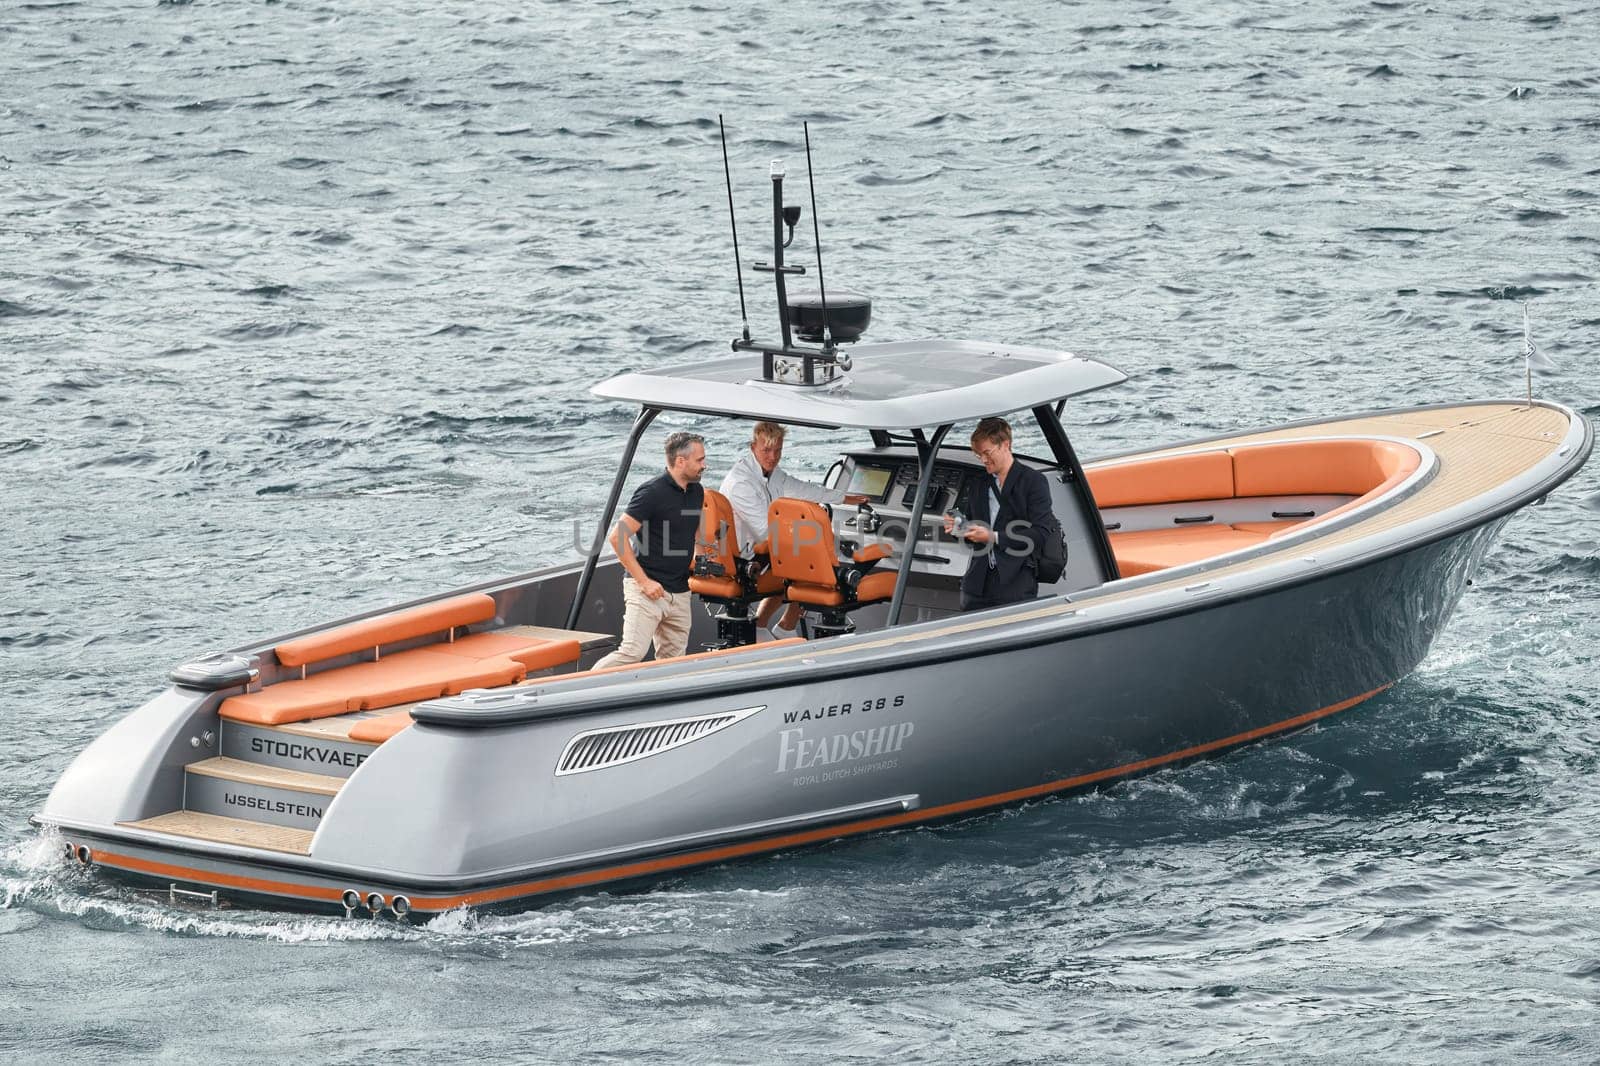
pixel 35 884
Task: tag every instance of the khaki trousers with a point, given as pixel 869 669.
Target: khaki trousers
pixel 663 622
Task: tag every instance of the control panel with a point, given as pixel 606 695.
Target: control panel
pixel 890 485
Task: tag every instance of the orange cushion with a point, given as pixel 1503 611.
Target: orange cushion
pixel 387 628
pixel 877 586
pixel 548 653
pixel 484 645
pixel 718 588
pixel 290 701
pixel 814 595
pixel 536 653
pixel 873 587
pixel 378 730
pixel 1146 551
pixel 802 543
pixel 1350 467
pixel 1199 476
pixel 422 674
pixel 727 588
pixel 406 677
pixel 870 553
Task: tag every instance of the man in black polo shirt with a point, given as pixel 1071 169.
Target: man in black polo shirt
pixel 665 515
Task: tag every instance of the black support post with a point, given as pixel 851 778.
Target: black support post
pixel 777 260
pixel 928 451
pixel 1061 448
pixel 646 416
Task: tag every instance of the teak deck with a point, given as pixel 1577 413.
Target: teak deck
pixel 216 828
pixel 254 773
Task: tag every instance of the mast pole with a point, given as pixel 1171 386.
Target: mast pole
pixel 733 223
pixel 777 251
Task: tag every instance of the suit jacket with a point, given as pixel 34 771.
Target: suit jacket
pixel 1024 502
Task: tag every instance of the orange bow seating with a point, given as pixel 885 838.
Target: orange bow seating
pixel 377 730
pixel 1363 469
pixel 440 669
pixel 1147 550
pixel 1200 476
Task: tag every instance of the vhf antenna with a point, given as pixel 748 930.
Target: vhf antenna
pixel 784 220
pixel 738 271
pixel 816 238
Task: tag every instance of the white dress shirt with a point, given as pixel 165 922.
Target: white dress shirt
pixel 751 492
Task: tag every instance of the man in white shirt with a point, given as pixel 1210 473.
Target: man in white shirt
pixel 751 486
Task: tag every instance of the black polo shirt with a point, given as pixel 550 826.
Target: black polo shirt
pixel 669 520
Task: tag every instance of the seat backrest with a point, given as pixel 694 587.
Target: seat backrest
pixel 1349 466
pixel 436 617
pixel 1168 479
pixel 717 541
pixel 801 539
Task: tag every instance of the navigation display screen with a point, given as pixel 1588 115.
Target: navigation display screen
pixel 871 481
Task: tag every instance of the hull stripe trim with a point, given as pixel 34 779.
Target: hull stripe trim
pixel 731 851
pixel 212 877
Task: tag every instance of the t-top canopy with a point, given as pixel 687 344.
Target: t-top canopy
pixel 901 385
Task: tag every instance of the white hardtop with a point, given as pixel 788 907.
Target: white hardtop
pixel 898 385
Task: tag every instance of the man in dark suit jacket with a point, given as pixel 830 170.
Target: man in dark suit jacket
pixel 1002 512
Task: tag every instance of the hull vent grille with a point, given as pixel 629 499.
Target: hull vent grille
pixel 600 748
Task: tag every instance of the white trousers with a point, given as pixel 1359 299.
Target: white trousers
pixel 663 622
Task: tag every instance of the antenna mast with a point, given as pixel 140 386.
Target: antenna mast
pixel 738 271
pixel 816 239
pixel 845 319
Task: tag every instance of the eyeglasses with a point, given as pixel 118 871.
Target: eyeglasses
pixel 988 455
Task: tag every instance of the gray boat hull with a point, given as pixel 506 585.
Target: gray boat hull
pixel 476 815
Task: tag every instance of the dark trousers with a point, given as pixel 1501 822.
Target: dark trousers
pixel 995 593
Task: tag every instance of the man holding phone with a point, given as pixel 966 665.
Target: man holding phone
pixel 1005 514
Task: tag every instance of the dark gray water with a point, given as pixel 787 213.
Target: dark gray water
pixel 299 304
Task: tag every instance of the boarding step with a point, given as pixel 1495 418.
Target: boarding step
pixel 252 791
pixel 319 747
pixel 220 830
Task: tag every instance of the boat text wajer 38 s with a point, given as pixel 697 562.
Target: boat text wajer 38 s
pixel 463 750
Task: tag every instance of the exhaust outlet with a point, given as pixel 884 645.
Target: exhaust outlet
pixel 84 856
pixel 401 906
pixel 375 903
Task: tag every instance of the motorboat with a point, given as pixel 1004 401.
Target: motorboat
pixel 463 750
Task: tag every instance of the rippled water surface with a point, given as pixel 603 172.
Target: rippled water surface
pixel 299 305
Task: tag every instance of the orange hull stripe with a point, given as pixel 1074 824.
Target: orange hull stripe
pixel 211 877
pixel 733 851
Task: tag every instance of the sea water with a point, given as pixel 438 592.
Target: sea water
pixel 299 307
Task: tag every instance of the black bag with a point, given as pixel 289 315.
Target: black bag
pixel 1050 553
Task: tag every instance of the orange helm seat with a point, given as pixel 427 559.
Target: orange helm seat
pixel 722 575
pixel 806 557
